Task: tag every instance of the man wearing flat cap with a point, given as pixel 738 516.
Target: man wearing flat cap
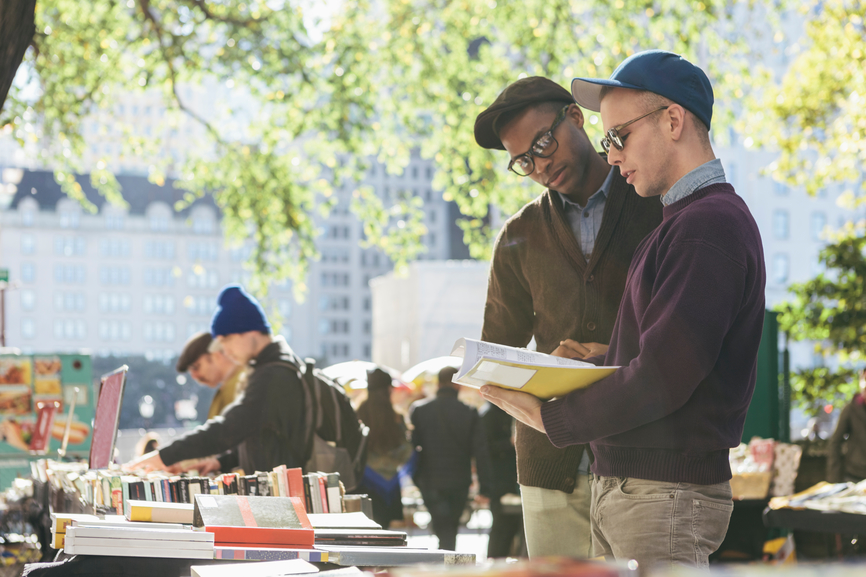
pixel 686 336
pixel 558 271
pixel 211 369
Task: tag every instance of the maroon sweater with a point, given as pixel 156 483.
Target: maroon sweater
pixel 687 338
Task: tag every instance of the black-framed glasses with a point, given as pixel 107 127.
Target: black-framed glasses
pixel 544 147
pixel 613 137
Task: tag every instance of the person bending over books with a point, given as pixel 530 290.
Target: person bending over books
pixel 264 426
pixel 558 272
pixel 686 336
pixel 211 369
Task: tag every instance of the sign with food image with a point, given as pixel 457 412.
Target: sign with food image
pixel 15 370
pixel 46 382
pixel 36 393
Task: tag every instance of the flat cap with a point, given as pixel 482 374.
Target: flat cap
pixel 516 96
pixel 194 348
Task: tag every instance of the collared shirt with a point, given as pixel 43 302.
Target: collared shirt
pixel 585 221
pixel 706 174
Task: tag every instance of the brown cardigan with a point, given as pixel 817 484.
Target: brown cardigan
pixel 541 285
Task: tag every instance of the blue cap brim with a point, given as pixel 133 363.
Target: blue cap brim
pixel 586 91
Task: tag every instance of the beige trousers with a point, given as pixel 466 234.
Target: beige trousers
pixel 557 523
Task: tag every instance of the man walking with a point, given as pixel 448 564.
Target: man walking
pixel 686 336
pixel 447 435
pixel 558 271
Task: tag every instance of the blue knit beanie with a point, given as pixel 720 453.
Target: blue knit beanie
pixel 237 312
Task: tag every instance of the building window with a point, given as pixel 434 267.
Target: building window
pixel 69 246
pixel 114 221
pixel 158 223
pixel 781 188
pixel 159 304
pixel 70 218
pixel 335 279
pixel 28 244
pixel 209 251
pixel 28 272
pixel 114 330
pixel 200 277
pixel 114 275
pixel 70 329
pixel 114 247
pixel 159 277
pixel 115 303
pixel 819 222
pixel 200 305
pixel 28 328
pixel 780 224
pixel 69 274
pixel 780 268
pixel 69 301
pixel 28 217
pixel 159 331
pixel 28 299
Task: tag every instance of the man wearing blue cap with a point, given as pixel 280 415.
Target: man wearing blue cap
pixel 264 427
pixel 686 335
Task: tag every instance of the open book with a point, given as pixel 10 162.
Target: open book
pixel 542 375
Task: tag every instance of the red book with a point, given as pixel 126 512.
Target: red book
pixel 262 536
pixel 323 489
pixel 296 483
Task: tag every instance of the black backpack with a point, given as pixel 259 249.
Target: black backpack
pixel 338 440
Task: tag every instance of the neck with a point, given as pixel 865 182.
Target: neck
pixel 690 162
pixel 259 342
pixel 596 171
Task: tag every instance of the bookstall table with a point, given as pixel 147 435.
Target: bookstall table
pixel 814 520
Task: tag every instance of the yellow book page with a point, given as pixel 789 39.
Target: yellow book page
pixel 543 382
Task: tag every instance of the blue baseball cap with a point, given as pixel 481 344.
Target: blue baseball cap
pixel 664 73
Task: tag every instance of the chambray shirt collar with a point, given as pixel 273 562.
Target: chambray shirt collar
pixel 600 194
pixel 706 174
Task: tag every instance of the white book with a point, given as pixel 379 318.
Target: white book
pixel 122 522
pixel 155 551
pixel 353 520
pixel 73 541
pixel 140 533
pixel 257 569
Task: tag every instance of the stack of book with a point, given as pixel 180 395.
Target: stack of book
pixel 241 521
pixel 136 541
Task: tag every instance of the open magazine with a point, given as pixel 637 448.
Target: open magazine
pixel 544 376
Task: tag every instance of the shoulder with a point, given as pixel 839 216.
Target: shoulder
pixel 529 216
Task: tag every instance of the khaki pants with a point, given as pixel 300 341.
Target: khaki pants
pixel 557 523
pixel 656 523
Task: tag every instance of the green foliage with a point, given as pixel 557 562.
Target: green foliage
pixel 325 94
pixel 816 115
pixel 830 310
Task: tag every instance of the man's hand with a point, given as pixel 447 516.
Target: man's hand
pixel 149 462
pixel 572 349
pixel 522 406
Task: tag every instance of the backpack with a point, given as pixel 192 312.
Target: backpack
pixel 338 440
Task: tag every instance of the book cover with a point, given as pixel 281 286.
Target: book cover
pixel 393 556
pixel 140 543
pixel 301 538
pixel 295 478
pixel 262 569
pixel 264 489
pixel 544 376
pixel 140 534
pixel 60 521
pixel 161 512
pixel 156 551
pixel 354 520
pixel 335 502
pixel 128 524
pixel 238 552
pixel 250 511
pixel 323 493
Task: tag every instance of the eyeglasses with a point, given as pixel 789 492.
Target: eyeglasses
pixel 613 137
pixel 543 147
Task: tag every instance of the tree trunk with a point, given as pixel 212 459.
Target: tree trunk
pixel 16 33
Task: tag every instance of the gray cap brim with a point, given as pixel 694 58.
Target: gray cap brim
pixel 587 91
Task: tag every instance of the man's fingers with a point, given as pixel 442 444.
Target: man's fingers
pixel 575 346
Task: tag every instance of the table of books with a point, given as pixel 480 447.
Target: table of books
pixel 167 526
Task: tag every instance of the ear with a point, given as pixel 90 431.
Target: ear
pixel 576 114
pixel 675 121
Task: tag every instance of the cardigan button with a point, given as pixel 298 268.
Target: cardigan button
pixel 590 278
pixel 590 326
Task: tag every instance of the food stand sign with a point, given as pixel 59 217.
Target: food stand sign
pixel 4 275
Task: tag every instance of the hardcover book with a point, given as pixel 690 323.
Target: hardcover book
pixel 250 511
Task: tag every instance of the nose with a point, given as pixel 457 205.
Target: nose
pixel 542 164
pixel 614 156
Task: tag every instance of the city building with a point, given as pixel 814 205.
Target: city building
pixel 141 279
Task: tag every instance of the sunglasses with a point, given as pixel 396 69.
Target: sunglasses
pixel 613 137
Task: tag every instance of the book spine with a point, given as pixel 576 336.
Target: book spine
pixel 323 493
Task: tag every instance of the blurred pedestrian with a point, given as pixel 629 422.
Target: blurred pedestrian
pixel 849 464
pixel 448 434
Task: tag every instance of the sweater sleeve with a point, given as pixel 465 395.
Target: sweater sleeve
pixel 835 461
pixel 681 327
pixel 239 420
pixel 508 312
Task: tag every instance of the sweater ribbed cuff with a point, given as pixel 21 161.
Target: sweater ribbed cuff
pixel 556 423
